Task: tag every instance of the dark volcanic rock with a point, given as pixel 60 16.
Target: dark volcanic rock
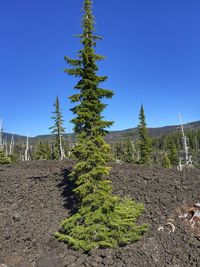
pixel 49 261
pixel 34 200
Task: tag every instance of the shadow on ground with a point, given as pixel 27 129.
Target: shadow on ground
pixel 67 185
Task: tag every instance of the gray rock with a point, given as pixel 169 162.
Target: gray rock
pixel 49 261
pixel 2 263
pixel 16 216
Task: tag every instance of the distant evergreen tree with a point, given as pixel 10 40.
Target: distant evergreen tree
pixel 144 139
pixel 42 151
pixel 119 151
pixel 123 151
pixel 101 219
pixel 58 129
pixel 129 152
pixel 54 152
pixel 3 158
pixel 173 154
pixel 14 157
pixel 166 161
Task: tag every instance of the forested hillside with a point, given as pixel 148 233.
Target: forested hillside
pixel 166 141
pixel 112 135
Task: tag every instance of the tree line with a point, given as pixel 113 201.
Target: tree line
pixel 164 150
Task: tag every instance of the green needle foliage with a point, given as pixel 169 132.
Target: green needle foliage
pixel 173 154
pixel 129 151
pixel 42 151
pixel 58 130
pixel 166 161
pixel 144 139
pixel 3 158
pixel 101 219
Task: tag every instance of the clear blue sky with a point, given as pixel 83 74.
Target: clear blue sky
pixel 153 57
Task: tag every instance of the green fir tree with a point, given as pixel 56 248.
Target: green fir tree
pixel 173 154
pixel 42 151
pixel 129 152
pixel 58 130
pixel 119 151
pixel 102 219
pixel 3 158
pixel 166 161
pixel 144 139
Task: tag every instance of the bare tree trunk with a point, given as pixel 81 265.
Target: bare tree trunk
pixel 12 144
pixel 185 142
pixel 26 156
pixel 6 146
pixel 61 152
pixel 180 166
pixel 1 134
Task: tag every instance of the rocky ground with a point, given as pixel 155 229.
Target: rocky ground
pixel 34 200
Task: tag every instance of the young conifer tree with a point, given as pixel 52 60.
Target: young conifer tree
pixel 101 219
pixel 58 129
pixel 144 139
pixel 166 161
pixel 129 151
pixel 3 158
pixel 173 153
pixel 42 151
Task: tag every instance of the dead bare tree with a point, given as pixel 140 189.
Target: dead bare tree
pixel 5 145
pixel 1 134
pixel 187 157
pixel 62 152
pixel 3 142
pixel 26 154
pixel 12 144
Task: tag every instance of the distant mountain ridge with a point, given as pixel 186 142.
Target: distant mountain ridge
pixel 153 132
pixel 111 136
